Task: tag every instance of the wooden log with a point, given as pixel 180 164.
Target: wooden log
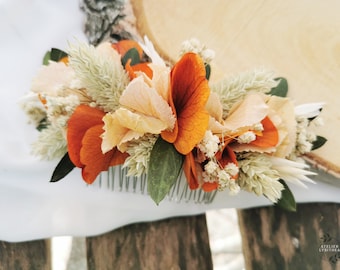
pixel 176 243
pixel 25 255
pixel 276 239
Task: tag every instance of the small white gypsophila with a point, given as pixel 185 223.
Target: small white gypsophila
pixel 211 167
pixel 139 154
pixel 232 169
pixel 59 109
pixel 305 136
pixel 246 137
pixel 258 127
pixel 214 173
pixel 257 175
pixel 211 171
pixel 195 46
pixel 209 144
pixel 233 187
pixel 225 181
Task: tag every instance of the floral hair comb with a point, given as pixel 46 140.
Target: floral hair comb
pixel 125 117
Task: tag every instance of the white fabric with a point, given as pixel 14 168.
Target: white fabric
pixel 30 206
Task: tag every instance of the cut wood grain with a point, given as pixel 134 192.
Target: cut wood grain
pixel 276 239
pixel 298 40
pixel 25 255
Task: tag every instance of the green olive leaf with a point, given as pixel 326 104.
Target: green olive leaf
pixel 320 141
pixel 64 167
pixel 133 55
pixel 287 200
pixel 54 55
pixel 164 168
pixel 281 89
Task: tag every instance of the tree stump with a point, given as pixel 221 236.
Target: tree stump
pixel 26 255
pixel 276 239
pixel 174 244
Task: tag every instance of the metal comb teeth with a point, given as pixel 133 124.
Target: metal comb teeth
pixel 116 179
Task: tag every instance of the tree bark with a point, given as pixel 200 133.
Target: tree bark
pixel 276 239
pixel 26 255
pixel 176 243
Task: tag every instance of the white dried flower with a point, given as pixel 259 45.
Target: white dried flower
pixel 33 107
pixel 246 137
pixel 139 154
pixel 195 46
pixel 234 89
pixel 232 169
pixel 292 171
pixel 209 144
pixel 257 175
pixel 211 167
pixel 234 188
pixel 100 71
pixel 258 127
pixel 304 137
pixel 59 109
pixel 150 51
pixel 225 181
pixel 51 143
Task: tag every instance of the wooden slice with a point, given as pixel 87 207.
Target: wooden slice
pixel 298 40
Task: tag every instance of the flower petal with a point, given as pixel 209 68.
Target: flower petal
pixel 247 113
pixel 226 156
pixel 188 97
pixel 123 46
pixel 190 171
pixel 83 118
pixel 270 135
pixel 141 67
pixel 283 116
pixel 92 157
pixel 214 106
pixel 139 97
pixel 208 187
pixel 265 142
pixel 124 125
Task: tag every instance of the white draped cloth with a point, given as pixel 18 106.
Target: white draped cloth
pixel 30 206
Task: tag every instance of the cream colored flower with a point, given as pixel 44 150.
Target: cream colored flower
pixel 53 79
pixel 143 110
pixel 244 116
pixel 282 115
